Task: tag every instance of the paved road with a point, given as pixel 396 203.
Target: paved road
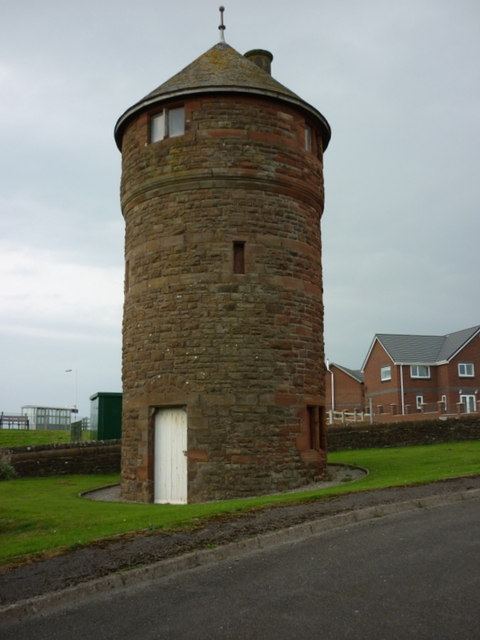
pixel 412 575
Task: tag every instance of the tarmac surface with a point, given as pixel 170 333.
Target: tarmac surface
pixel 134 559
pixel 413 574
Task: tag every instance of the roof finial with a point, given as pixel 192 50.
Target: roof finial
pixel 222 26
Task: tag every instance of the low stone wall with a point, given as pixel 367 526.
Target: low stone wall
pixel 403 434
pixel 104 456
pixel 60 459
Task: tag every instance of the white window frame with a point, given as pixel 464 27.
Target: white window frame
pixel 415 371
pixel 419 401
pixel 444 400
pixel 464 368
pixel 469 401
pixel 161 124
pixel 385 373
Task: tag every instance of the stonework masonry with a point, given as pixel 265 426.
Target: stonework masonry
pixel 242 352
pixel 404 434
pixel 64 458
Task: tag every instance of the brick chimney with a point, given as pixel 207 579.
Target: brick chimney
pixel 261 58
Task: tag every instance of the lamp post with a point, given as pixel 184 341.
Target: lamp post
pixel 76 386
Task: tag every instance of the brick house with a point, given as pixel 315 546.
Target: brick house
pixel 343 389
pixel 412 374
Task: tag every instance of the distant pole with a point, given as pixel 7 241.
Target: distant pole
pixel 76 384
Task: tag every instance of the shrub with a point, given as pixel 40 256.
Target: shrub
pixel 7 472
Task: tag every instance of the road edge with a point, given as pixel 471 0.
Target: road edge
pixel 22 609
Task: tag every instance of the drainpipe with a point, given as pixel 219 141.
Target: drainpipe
pixel 332 385
pixel 401 389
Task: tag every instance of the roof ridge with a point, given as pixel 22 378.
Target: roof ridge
pixel 353 373
pixel 414 348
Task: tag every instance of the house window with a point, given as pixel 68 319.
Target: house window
pixel 239 257
pixel 444 402
pixel 419 402
pixel 419 371
pixel 167 124
pixel 469 402
pixel 466 370
pixel 385 373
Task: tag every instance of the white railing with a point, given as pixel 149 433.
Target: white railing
pixel 13 421
pixel 347 417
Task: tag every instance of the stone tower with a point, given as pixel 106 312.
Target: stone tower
pixel 223 374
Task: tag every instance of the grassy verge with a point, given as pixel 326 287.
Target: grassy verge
pixel 27 438
pixel 46 514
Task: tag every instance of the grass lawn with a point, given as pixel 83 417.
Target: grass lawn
pixel 41 515
pixel 27 438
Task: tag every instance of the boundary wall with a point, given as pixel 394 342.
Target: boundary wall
pixel 102 456
pixel 402 434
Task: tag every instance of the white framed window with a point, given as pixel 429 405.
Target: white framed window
pixel 167 124
pixel 419 401
pixel 419 371
pixel 469 402
pixel 385 373
pixel 444 400
pixel 466 370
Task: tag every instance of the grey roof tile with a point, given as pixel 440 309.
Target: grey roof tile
pixel 455 341
pixel 354 373
pixel 417 349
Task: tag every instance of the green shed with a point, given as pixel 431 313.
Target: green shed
pixel 106 415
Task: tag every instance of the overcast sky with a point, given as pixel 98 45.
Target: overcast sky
pixel 399 83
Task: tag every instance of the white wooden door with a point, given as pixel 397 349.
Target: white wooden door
pixel 170 476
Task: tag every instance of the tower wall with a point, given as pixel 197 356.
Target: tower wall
pixel 242 352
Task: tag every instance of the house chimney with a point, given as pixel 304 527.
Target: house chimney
pixel 261 58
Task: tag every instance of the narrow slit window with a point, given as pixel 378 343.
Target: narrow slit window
pixel 127 276
pixel 239 257
pixel 322 428
pixel 313 417
pixel 308 137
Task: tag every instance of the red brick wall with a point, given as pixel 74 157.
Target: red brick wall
pixel 381 393
pixel 425 387
pixel 471 353
pixel 347 392
pixel 243 352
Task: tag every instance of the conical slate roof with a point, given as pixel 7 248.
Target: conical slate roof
pixel 221 68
